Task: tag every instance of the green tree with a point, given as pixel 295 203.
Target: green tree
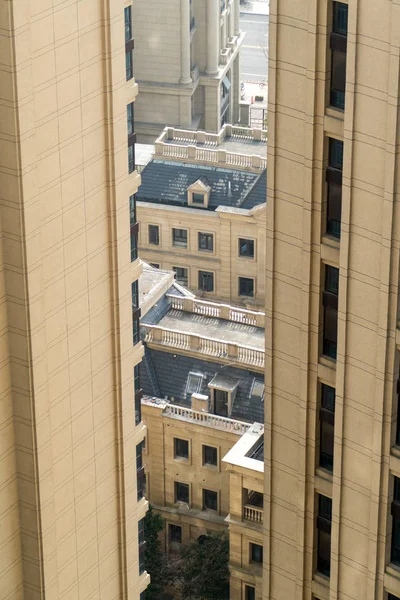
pixel 203 570
pixel 155 559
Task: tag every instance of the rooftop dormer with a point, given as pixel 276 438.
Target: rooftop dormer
pixel 199 193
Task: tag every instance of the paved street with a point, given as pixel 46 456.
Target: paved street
pixel 254 64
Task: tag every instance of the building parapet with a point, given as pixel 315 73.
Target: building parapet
pixel 186 136
pixel 221 351
pixel 254 514
pixel 218 311
pixel 204 418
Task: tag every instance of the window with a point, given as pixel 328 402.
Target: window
pixel 210 500
pixel 133 227
pixel 210 456
pixel 142 546
pixel 154 235
pixel 138 394
pixel 155 265
pixel 179 238
pixel 206 241
pixel 181 448
pixel 395 512
pixel 256 553
pixel 327 426
pixel 206 281
pixel 392 597
pixel 250 592
pixel 128 23
pixel 175 533
pixel 324 522
pixel 181 492
pixel 198 199
pixel 130 118
pixel 334 187
pixel 131 158
pixel 135 294
pixel 330 303
pixel 338 44
pixel 181 275
pixel 136 332
pixel 140 475
pixel 257 389
pixel 246 286
pixel 221 399
pixel 246 248
pixel 128 64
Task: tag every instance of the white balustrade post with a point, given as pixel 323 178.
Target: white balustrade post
pixel 213 35
pixel 185 42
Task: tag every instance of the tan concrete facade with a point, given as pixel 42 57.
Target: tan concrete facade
pixel 68 499
pixel 185 49
pixel 301 118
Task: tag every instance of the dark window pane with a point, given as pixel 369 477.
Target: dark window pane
pixel 210 455
pixel 221 403
pixel 128 23
pixel 396 490
pixel 395 510
pixel 129 65
pixel 131 158
pixel 256 553
pixel 246 247
pixel 179 238
pixel 134 252
pixel 328 395
pixel 132 209
pixel 210 500
pixel 129 117
pixel 206 281
pixel 181 492
pixel 338 79
pixel 334 209
pixel 181 275
pixel 340 18
pixel 324 535
pixel 335 153
pixel 332 280
pixel 136 332
pixel 142 546
pixel 198 199
pixel 206 241
pixel 393 597
pixel 175 533
pixel 154 235
pixel 250 592
pixel 181 448
pixel 246 286
pixel 135 295
pixel 138 395
pixel 330 333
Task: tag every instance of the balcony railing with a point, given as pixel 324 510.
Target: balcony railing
pixel 218 311
pixel 225 352
pixel 187 414
pixel 187 136
pixel 253 513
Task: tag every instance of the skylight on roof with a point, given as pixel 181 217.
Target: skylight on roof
pixel 257 389
pixel 194 383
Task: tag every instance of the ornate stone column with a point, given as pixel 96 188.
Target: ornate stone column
pixel 185 42
pixel 231 27
pixel 213 35
pixel 236 16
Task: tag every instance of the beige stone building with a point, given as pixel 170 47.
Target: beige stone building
pixel 202 380
pixel 187 64
pixel 332 456
pixel 201 209
pixel 70 507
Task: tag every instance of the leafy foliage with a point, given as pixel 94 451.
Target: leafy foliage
pixel 155 559
pixel 202 571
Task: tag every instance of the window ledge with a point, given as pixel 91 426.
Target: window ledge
pixel 336 113
pixel 393 570
pixel 395 451
pixel 323 483
pixel 327 362
pixel 320 586
pixel 331 240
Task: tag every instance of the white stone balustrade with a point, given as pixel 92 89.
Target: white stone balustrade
pixel 213 139
pixel 253 513
pixel 218 311
pixel 192 342
pixel 187 414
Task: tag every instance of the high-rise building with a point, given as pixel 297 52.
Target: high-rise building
pixel 70 511
pixel 187 64
pixel 332 455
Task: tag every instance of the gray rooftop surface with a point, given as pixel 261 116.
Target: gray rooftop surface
pixel 165 375
pixel 218 329
pixel 166 182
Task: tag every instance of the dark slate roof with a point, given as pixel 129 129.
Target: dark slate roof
pixel 164 374
pixel 166 182
pixel 161 307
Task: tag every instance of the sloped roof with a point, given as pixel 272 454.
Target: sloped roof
pixel 166 182
pixel 164 374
